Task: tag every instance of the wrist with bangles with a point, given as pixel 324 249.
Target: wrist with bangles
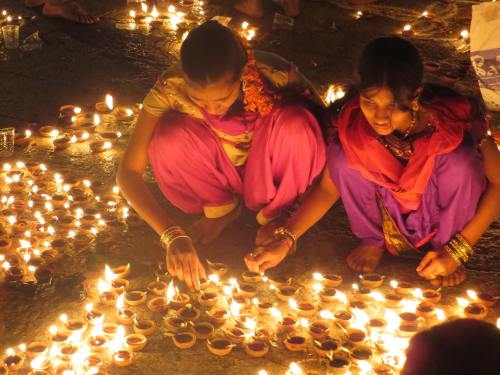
pixel 171 234
pixel 459 249
pixel 284 234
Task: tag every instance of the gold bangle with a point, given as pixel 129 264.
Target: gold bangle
pixel 171 234
pixel 453 254
pixel 282 233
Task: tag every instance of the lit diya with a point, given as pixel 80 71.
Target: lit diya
pixel 279 281
pixel 219 346
pixel 36 349
pixel 100 146
pixel 23 139
pixel 328 295
pixel 144 326
pixel 13 361
pixel 431 295
pixel 355 336
pixel 208 299
pixel 97 343
pixel 135 298
pixel 361 353
pixel 295 343
pixel 174 324
pixel 338 365
pixel 377 324
pixel 247 290
pixel 184 340
pixel 136 342
pixel 404 288
pixel 343 317
pixel 203 330
pixel 219 269
pixel 371 280
pixel 319 329
pixel 475 311
pixel 157 304
pixel 252 277
pixel 326 347
pixel 79 135
pixel 332 280
pixel 218 315
pixel 285 293
pixel 306 308
pixel 110 330
pixel 62 143
pixel 123 113
pixel 425 310
pixel 123 358
pixel 189 313
pixel 235 334
pixel 48 131
pixel 256 348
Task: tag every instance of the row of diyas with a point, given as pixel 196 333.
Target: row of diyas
pixel 77 126
pixel 363 329
pixel 43 216
pixel 171 17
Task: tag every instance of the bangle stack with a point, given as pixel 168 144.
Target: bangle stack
pixel 459 248
pixel 171 234
pixel 283 233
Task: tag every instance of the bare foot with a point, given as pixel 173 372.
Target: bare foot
pixel 365 258
pixel 456 278
pixel 207 230
pixel 252 8
pixel 69 10
pixel 291 7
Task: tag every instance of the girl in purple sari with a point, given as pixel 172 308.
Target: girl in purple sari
pixel 414 166
pixel 217 138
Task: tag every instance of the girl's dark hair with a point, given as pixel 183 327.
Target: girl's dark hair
pixel 460 347
pixel 210 51
pixel 394 63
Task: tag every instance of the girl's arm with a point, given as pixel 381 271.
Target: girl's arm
pixel 182 259
pixel 316 204
pixel 440 263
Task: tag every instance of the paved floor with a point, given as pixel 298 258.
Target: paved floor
pixel 80 64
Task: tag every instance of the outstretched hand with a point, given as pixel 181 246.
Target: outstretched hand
pixel 267 256
pixel 437 263
pixel 183 262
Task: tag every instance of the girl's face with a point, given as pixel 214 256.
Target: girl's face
pixel 381 111
pixel 216 97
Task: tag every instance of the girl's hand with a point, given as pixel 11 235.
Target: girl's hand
pixel 268 256
pixel 437 263
pixel 183 263
pixel 265 234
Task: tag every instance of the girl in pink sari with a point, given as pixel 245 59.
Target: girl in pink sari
pixel 219 135
pixel 414 166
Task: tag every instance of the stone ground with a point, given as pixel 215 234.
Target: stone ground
pixel 79 64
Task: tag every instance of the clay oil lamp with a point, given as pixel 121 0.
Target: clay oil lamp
pixel 93 316
pixel 371 280
pixel 203 330
pixel 393 300
pixel 23 139
pixel 13 361
pixel 338 365
pixel 123 113
pixel 487 299
pixel 361 353
pixel 431 296
pixel 184 340
pixel 208 299
pixel 407 330
pixel 355 336
pixel 66 350
pixel 100 146
pixel 110 136
pixel 56 336
pixel 377 324
pixel 15 273
pixel 361 294
pixel 358 305
pixel 402 288
pixel 97 343
pixel 135 298
pixel 125 316
pixel 326 347
pixel 279 281
pixel 157 304
pixel 73 326
pixel 295 343
pixel 94 360
pixel 83 240
pixel 383 369
pixel 332 280
pixel 425 310
pixel 327 295
pixel 319 329
pixel 177 299
pixel 106 295
pixel 306 308
pixel 247 290
pixel 473 310
pixel 88 219
pixel 219 269
pixel 287 324
pixel 235 334
pixel 189 313
pixel 36 349
pixel 136 342
pixel 263 306
pixel 219 315
pixel 48 131
pixel 67 221
pixel 174 324
pixel 144 326
pixel 62 143
pixel 264 334
pixel 123 358
pixel 343 317
pixel 59 244
pixel 256 348
pixel 219 346
pixel 409 319
pixel 252 277
pixel 5 244
pixel 106 106
pixel 285 293
pixel 407 30
pixel 40 365
pixel 204 283
pixel 110 330
pixel 79 136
